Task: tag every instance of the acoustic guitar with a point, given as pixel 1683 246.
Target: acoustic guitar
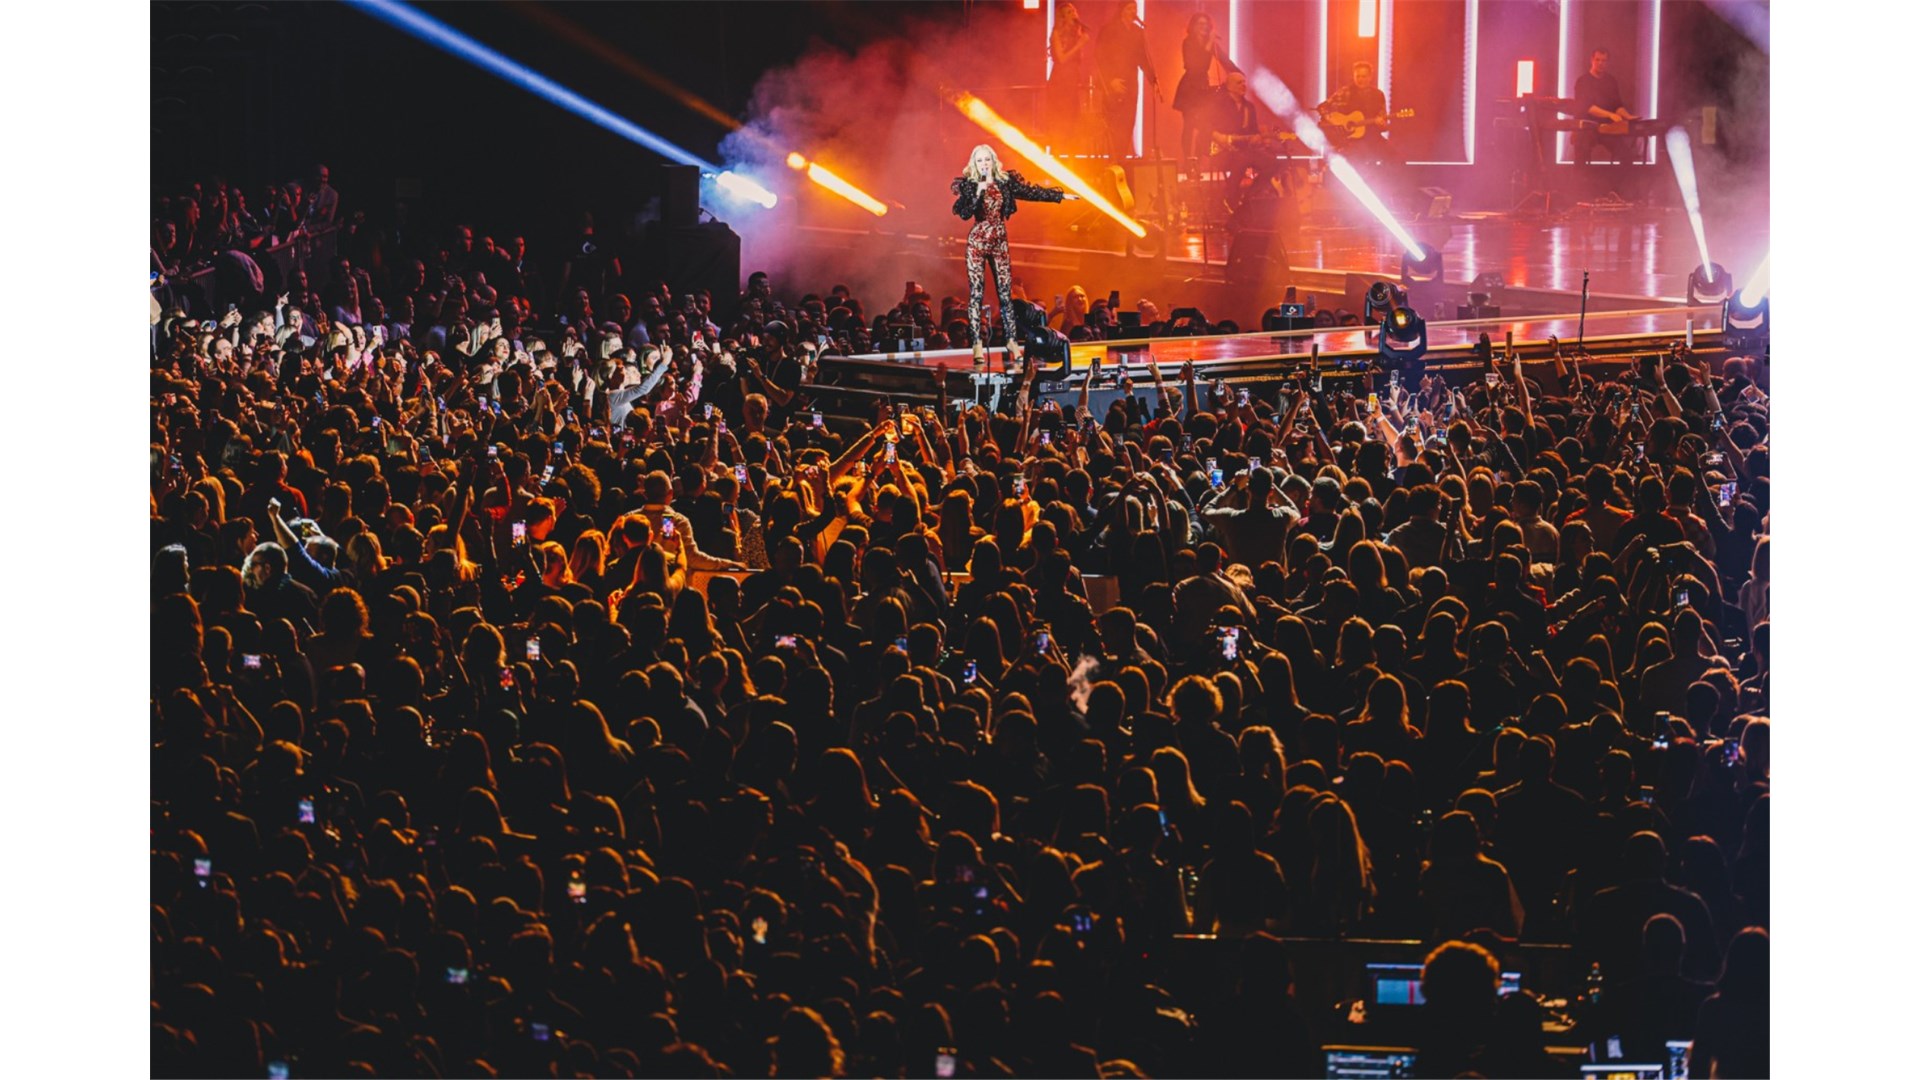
pixel 1353 125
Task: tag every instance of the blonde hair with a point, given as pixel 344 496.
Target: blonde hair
pixel 556 570
pixel 589 554
pixel 999 170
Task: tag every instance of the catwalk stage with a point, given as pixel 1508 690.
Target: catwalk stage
pixel 1634 256
pixel 1636 261
pixel 1246 353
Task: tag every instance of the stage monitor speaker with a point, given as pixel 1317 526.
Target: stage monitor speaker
pixel 680 195
pixel 696 257
pixel 1434 203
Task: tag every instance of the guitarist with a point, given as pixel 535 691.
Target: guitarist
pixel 1597 101
pixel 1360 96
pixel 1235 127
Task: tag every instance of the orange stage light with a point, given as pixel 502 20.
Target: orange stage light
pixel 825 177
pixel 1369 18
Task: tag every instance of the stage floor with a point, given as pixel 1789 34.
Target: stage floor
pixel 1629 252
pixel 1638 254
pixel 1170 353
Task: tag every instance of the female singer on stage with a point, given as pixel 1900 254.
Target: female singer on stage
pixel 1193 98
pixel 988 195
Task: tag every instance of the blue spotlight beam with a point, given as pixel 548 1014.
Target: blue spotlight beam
pixel 446 38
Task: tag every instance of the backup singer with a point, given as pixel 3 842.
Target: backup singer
pixel 1193 97
pixel 988 195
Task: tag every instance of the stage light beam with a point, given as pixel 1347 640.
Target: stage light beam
pixel 447 39
pixel 581 39
pixel 1273 93
pixel 1757 286
pixel 1680 152
pixel 826 178
pixel 1344 171
pixel 744 187
pixel 982 114
pixel 572 33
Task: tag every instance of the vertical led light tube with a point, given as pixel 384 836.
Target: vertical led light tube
pixel 1383 53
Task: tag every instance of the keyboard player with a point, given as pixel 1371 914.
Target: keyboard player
pixel 1597 101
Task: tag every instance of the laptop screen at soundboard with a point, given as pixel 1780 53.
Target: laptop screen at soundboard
pixel 1399 984
pixel 1369 1062
pixel 1620 1070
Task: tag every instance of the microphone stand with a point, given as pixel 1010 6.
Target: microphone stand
pixel 1582 343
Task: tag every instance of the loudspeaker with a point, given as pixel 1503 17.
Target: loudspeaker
pixel 696 257
pixel 680 195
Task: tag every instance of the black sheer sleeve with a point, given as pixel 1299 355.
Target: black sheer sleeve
pixel 1026 192
pixel 968 203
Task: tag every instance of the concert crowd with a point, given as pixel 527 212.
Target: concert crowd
pixel 543 685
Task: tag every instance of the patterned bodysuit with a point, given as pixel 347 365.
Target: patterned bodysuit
pixel 987 240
